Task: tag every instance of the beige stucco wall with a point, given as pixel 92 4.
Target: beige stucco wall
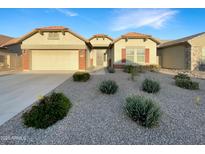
pixel 173 57
pixel 135 43
pixel 198 41
pixel 99 42
pixel 67 39
pixel 88 56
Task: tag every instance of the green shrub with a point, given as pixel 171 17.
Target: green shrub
pixel 48 111
pixel 134 73
pixel 182 76
pixel 81 76
pixel 108 87
pixel 141 68
pixel 187 84
pixel 128 68
pixel 144 111
pixel 111 70
pixel 154 68
pixel 150 86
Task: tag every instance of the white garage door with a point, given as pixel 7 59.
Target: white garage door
pixel 54 60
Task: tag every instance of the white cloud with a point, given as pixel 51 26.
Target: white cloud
pixel 67 12
pixel 136 18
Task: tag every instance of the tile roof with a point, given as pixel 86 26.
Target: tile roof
pixel 4 39
pixel 101 36
pixel 181 40
pixel 49 28
pixel 135 35
pixel 11 41
pixel 53 28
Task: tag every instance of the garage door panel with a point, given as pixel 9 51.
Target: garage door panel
pixel 54 60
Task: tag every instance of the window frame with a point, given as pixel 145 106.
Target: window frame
pixel 130 55
pixel 142 55
pixel 135 55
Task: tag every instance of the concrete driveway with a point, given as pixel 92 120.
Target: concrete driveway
pixel 19 91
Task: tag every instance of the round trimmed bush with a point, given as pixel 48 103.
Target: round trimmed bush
pixel 144 111
pixel 108 87
pixel 81 76
pixel 187 84
pixel 128 68
pixel 48 111
pixel 111 70
pixel 182 76
pixel 150 86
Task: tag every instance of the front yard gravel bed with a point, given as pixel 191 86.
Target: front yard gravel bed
pixel 96 118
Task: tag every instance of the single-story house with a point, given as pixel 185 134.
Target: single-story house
pixel 185 53
pixel 52 48
pixel 8 59
pixel 59 48
pixel 134 48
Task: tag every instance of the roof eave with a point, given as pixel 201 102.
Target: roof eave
pixel 179 43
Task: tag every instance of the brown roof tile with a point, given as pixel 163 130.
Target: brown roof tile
pixel 4 39
pixel 11 41
pixel 50 28
pixel 101 36
pixel 179 41
pixel 135 35
pixel 53 28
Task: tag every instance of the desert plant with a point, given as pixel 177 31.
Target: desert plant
pixel 128 68
pixel 108 87
pixel 111 70
pixel 187 84
pixel 134 73
pixel 150 86
pixel 144 111
pixel 182 76
pixel 48 111
pixel 81 76
pixel 154 68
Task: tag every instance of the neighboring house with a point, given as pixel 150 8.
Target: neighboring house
pixel 8 59
pixel 184 53
pixel 134 48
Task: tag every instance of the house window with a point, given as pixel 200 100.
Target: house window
pixel 53 36
pixel 140 55
pixel 130 55
pixel 135 55
pixel 203 56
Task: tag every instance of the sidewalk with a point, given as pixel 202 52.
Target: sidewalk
pixel 8 72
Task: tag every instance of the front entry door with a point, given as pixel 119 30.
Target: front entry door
pixel 100 57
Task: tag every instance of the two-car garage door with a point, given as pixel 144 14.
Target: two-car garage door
pixel 54 60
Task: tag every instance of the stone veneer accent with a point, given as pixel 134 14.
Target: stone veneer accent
pixel 195 57
pixel 187 51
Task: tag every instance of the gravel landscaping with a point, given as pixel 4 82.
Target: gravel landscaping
pixel 97 118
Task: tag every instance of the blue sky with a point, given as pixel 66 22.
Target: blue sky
pixel 160 23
